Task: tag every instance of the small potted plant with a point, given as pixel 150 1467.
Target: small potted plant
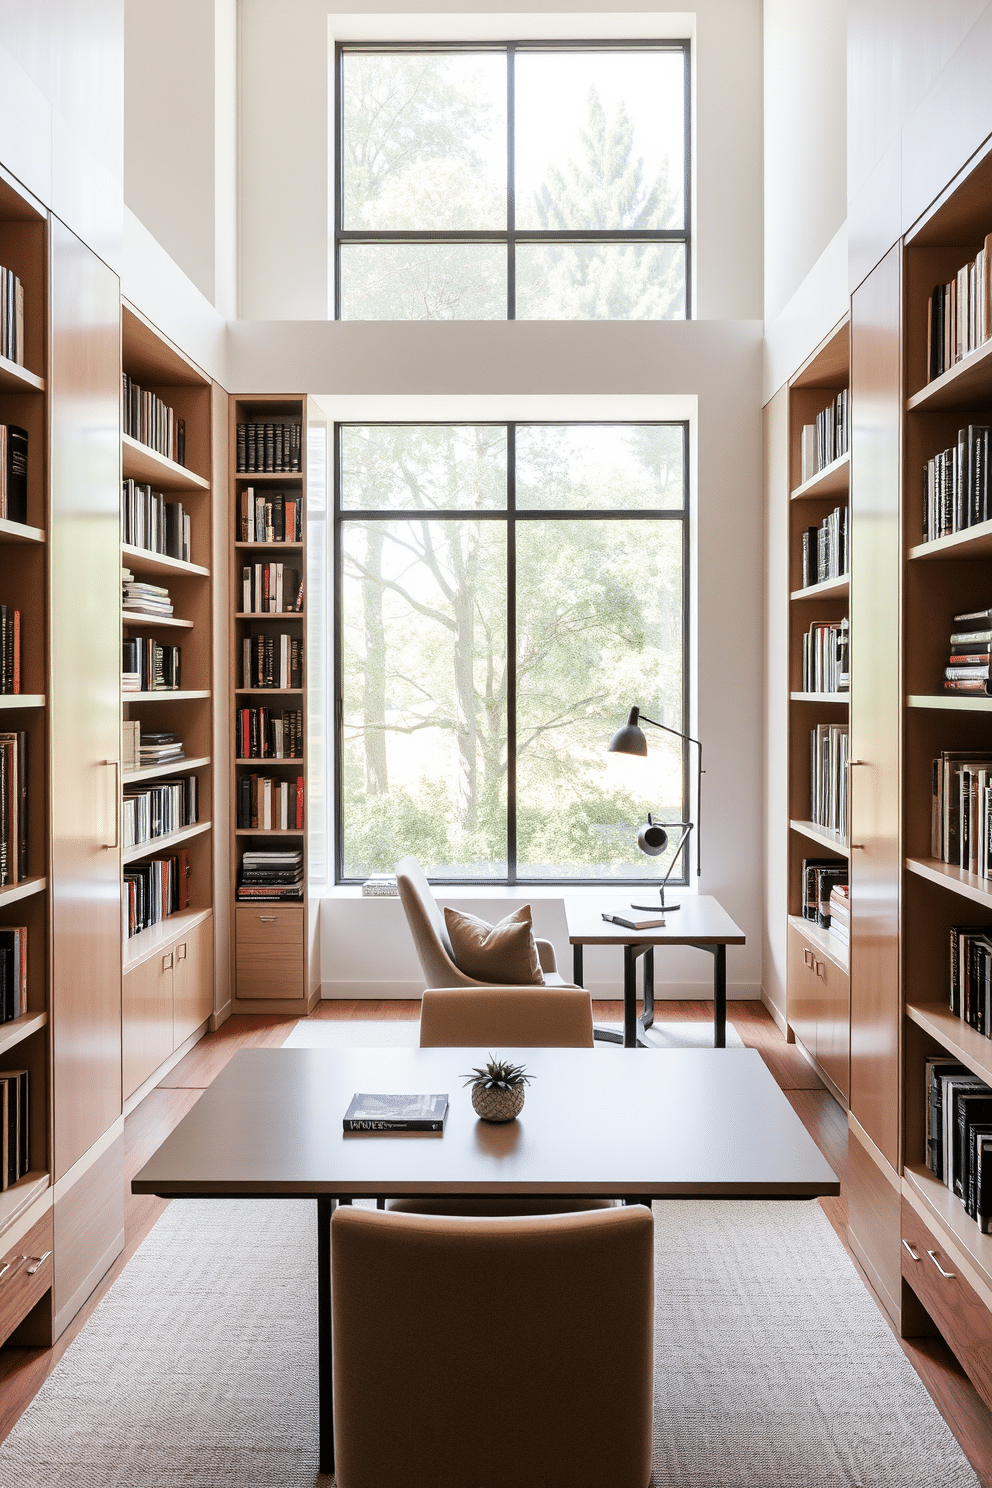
pixel 498 1089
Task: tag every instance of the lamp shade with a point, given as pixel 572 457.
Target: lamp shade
pixel 630 738
pixel 652 838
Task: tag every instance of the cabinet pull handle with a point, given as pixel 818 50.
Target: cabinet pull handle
pixel 851 763
pixel 947 1275
pixel 808 956
pixel 38 1262
pixel 266 918
pixel 912 1251
pixel 181 952
pixel 857 847
pixel 167 962
pixel 115 765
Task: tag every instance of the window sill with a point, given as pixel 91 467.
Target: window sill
pixel 498 892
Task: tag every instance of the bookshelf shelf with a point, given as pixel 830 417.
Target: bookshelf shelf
pixel 833 948
pixel 957 1037
pixel 966 385
pixel 22 700
pixel 828 589
pixel 156 622
pixel 17 379
pixel 269 760
pixel 970 542
pixel 158 772
pixel 268 832
pixel 268 547
pixel 158 845
pixel 268 691
pixel 165 695
pixel 950 876
pixel 822 836
pixel 22 890
pixel 941 1206
pixel 821 697
pixel 142 463
pixel 142 560
pixel 18 1029
pixel 251 477
pixel 148 943
pixel 951 702
pixel 833 480
pixel 269 615
pixel 20 1196
pixel 20 532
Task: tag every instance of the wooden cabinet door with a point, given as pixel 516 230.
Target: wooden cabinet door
pixel 84 554
pixel 804 991
pixel 875 871
pixel 148 993
pixel 193 981
pixel 270 958
pixel 833 1024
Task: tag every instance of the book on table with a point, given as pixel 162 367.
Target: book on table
pixel 385 1113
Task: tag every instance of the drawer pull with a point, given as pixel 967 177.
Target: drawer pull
pixel 38 1262
pixel 858 846
pixel 181 952
pixel 267 919
pixel 947 1275
pixel 167 962
pixel 818 968
pixel 808 956
pixel 912 1251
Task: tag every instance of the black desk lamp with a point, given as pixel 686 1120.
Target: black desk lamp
pixel 653 838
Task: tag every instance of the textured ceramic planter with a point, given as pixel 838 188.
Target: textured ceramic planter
pixel 498 1105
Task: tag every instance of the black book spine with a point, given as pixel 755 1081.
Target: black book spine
pixel 388 1126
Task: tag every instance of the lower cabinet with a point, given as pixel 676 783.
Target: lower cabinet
pixel 951 1302
pixel 25 1275
pixel 270 951
pixel 820 1008
pixel 167 996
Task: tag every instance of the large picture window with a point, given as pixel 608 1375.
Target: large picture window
pixel 518 181
pixel 504 593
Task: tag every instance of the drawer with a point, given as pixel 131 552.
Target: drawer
pixel 269 951
pixel 958 1311
pixel 26 1277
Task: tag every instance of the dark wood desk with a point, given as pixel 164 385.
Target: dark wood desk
pixel 700 921
pixel 673 1123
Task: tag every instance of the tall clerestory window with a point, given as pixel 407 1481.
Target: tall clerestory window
pixel 522 181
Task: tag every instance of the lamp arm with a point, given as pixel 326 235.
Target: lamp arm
pixel 699 783
pixel 675 857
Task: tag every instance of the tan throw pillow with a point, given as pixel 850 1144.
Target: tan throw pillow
pixel 503 953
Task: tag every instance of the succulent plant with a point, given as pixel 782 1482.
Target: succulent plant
pixel 498 1074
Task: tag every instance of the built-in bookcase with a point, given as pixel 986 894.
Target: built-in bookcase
pixel 162 1012
pixel 275 943
pixel 818 987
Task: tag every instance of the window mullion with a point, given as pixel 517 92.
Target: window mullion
pixel 511 653
pixel 511 199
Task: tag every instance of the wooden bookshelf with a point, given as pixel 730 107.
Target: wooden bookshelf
pixel 280 937
pixel 146 465
pixel 817 982
pixel 159 772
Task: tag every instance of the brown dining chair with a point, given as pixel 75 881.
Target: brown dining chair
pixel 473 1353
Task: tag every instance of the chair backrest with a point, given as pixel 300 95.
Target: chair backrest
pixel 523 1017
pixel 430 935
pixel 510 1350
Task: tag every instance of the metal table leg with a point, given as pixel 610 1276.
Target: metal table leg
pixel 605 1035
pixel 325 1373
pixel 630 997
pixel 720 997
pixel 648 982
pixel 577 965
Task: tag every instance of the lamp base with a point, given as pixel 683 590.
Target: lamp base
pixel 657 908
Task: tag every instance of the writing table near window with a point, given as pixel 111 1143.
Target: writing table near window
pixel 270 1126
pixel 701 921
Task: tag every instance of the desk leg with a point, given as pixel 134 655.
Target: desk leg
pixel 648 975
pixel 720 997
pixel 577 965
pixel 629 997
pixel 325 1375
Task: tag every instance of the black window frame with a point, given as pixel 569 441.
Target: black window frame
pixel 510 515
pixel 511 235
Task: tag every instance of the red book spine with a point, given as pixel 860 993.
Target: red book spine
pixel 17 650
pixel 299 803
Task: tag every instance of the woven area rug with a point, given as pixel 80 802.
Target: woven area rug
pixel 369 1033
pixel 198 1369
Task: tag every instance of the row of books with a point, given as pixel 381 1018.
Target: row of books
pixel 271 589
pixel 11 316
pixel 956 485
pixel 13 972
pixel 10 650
pixel 269 447
pixel 829 777
pixel 13 808
pixel 151 421
pixel 150 666
pixel 13 473
pixel 959 315
pixel 272 660
pixel 140 750
pixel 270 805
pixel 271 875
pixel 826 653
pixel 819 877
pixel 153 523
pixel 15 1120
pixel 155 890
pixel 958 1120
pixel 828 438
pixel 960 803
pixel 159 807
pixel 826 553
pixel 970 656
pixel 140 598
pixel 270 518
pixel 970 983
pixel 261 733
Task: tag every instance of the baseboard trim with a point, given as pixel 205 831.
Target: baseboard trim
pixel 220 1017
pixel 65 1314
pixel 778 1018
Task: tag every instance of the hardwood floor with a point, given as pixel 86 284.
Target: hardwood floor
pixel 24 1370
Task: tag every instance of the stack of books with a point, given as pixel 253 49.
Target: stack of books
pixel 153 523
pixel 13 473
pixel 971 976
pixel 264 734
pixel 825 549
pixel 271 875
pixel 956 485
pixel 155 890
pixel 825 657
pixel 14 1126
pixel 158 808
pixel 958 1112
pixel 828 438
pixel 828 777
pixel 840 913
pixel 380 886
pixel 161 748
pixel 152 422
pixel 272 517
pixel 270 589
pixel 265 804
pixel 149 666
pixel 272 660
pixel 967 669
pixel 265 447
pixel 959 316
pixel 11 317
pixel 819 877
pixel 960 807
pixel 139 598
